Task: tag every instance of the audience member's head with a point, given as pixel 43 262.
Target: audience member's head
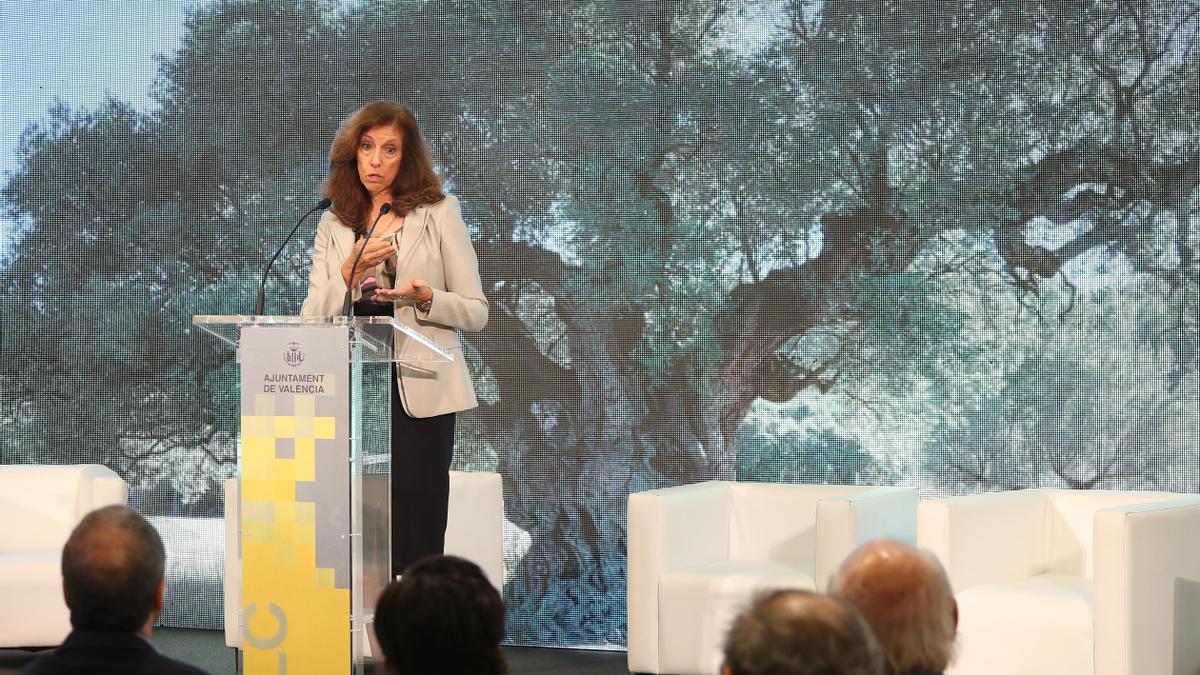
pixel 442 617
pixel 801 633
pixel 904 594
pixel 112 567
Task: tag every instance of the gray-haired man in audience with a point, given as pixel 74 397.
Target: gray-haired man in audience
pixel 801 633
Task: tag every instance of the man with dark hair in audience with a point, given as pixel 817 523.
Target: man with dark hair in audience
pixel 801 633
pixel 904 594
pixel 442 617
pixel 112 567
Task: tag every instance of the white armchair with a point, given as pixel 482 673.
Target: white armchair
pixel 1071 581
pixel 39 506
pixel 473 531
pixel 699 553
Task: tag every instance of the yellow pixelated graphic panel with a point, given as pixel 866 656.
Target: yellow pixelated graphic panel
pixel 290 605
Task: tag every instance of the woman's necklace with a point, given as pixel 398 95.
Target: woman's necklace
pixel 388 225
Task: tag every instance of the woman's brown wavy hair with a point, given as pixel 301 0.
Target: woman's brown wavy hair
pixel 416 182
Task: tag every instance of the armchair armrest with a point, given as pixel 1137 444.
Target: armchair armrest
pixel 986 538
pixel 847 521
pixel 101 486
pixel 668 529
pixel 1145 556
pixel 475 522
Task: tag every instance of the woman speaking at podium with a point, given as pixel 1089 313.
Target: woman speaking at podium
pixel 418 265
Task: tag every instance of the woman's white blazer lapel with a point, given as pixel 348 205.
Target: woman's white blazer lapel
pixel 343 242
pixel 414 225
pixel 331 246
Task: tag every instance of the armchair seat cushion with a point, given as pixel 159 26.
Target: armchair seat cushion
pixel 33 582
pixel 1042 623
pixel 20 562
pixel 698 604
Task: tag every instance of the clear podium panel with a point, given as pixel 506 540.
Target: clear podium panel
pixel 376 560
pixel 379 338
pixel 378 379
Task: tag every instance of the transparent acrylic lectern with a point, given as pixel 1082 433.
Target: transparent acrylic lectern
pixel 313 453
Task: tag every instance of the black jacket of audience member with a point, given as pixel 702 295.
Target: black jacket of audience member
pixel 106 652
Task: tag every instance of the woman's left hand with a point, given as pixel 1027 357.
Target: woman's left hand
pixel 415 291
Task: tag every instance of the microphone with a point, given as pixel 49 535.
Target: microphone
pixel 262 286
pixel 348 303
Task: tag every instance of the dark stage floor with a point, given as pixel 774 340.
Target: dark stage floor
pixel 206 649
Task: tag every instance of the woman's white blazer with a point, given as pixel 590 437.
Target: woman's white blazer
pixel 434 245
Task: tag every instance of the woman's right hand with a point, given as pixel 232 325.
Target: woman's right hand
pixel 374 251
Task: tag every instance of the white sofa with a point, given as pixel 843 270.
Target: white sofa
pixel 39 506
pixel 699 553
pixel 473 531
pixel 1071 581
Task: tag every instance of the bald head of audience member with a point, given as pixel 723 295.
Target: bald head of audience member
pixel 112 567
pixel 904 594
pixel 801 633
